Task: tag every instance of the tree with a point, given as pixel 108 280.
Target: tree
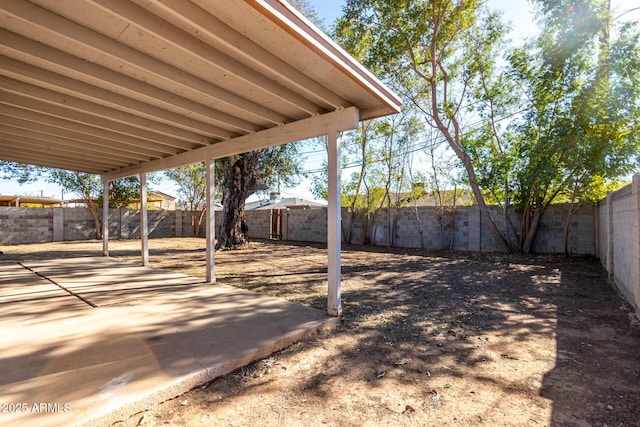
pixel 443 181
pixel 381 151
pixel 244 174
pixel 580 130
pixel 430 48
pixel 192 187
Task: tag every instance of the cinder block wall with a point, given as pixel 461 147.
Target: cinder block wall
pixel 24 225
pixel 305 225
pixel 78 224
pixel 610 230
pixel 259 223
pixel 462 229
pixel 425 227
pixel 619 239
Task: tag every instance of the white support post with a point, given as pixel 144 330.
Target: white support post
pixel 105 216
pixel 211 221
pixel 334 227
pixel 144 224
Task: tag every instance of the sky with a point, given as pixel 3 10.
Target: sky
pixel 518 12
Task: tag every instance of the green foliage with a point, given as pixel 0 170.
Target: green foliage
pixel 191 183
pixel 571 97
pixel 435 53
pixel 87 186
pixel 578 131
pixel 281 166
pixel 21 172
pixel 308 11
pixel 581 129
pixel 380 151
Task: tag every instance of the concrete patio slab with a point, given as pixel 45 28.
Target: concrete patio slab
pixel 108 281
pixel 100 364
pixel 26 297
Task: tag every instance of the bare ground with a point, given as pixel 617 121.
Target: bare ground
pixel 427 338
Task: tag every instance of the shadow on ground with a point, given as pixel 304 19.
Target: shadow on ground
pixel 427 338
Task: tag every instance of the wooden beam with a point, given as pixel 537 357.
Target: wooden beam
pixel 341 120
pixel 143 137
pixel 60 160
pixel 41 144
pixel 89 112
pixel 334 226
pixel 66 35
pixel 49 164
pixel 211 221
pixel 144 223
pixel 105 215
pixel 44 133
pixel 82 132
pixel 56 61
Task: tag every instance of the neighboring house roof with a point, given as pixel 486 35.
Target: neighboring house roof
pixel 159 194
pixel 283 203
pixel 122 87
pixel 10 200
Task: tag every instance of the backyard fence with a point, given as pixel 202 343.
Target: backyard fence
pixel 422 227
pixel 618 242
pixel 610 230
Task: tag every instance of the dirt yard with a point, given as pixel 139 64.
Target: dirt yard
pixel 427 339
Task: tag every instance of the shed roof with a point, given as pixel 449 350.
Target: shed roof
pixel 117 88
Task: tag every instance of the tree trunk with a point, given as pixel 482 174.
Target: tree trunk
pixel 484 210
pixel 532 229
pixel 196 221
pixel 363 171
pixel 454 143
pixel 418 223
pixel 96 218
pixel 240 182
pixel 567 225
pixel 453 217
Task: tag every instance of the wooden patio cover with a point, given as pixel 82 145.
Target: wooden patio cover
pixel 120 88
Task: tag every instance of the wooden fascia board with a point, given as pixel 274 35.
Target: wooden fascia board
pixel 339 120
pixel 292 21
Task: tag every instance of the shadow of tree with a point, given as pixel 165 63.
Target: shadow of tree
pixel 448 327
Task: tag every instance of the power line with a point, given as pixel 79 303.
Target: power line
pixel 416 147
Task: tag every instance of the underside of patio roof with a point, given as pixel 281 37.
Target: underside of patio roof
pixel 117 88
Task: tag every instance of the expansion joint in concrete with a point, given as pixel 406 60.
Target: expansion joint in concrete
pixel 86 301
